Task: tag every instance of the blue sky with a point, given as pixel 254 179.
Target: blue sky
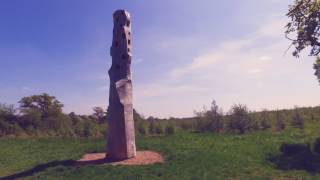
pixel 186 53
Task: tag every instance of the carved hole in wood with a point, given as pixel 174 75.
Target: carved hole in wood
pixel 129 41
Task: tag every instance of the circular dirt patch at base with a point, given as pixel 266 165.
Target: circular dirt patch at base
pixel 141 158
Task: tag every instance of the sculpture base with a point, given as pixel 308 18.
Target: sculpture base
pixel 142 158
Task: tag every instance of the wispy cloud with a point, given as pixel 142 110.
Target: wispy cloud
pixel 230 72
pixel 256 70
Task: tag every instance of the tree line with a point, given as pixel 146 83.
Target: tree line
pixel 42 116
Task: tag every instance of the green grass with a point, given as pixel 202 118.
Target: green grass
pixel 187 155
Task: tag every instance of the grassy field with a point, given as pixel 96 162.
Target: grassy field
pixel 188 156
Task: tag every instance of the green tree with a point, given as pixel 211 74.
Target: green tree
pixel 46 104
pixel 44 112
pixel 8 112
pixel 304 26
pixel 100 114
pixel 31 120
pixel 215 116
pixel 316 67
pixel 239 119
pixel 137 116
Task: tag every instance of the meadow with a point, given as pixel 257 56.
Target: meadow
pixel 187 156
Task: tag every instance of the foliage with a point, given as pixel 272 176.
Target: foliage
pixel 280 123
pixel 305 24
pixel 297 120
pixel 240 121
pixel 100 114
pixel 159 128
pixel 142 129
pixel 170 129
pixel 41 115
pixel 46 104
pixel 316 67
pixel 46 119
pixel 264 120
pixel 209 120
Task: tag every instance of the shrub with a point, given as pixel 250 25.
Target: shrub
pixel 265 124
pixel 239 120
pixel 31 118
pixel 217 125
pixel 152 127
pixel 170 129
pixel 187 125
pixel 297 120
pixel 79 129
pixel 159 129
pixel 202 124
pixel 264 121
pixel 88 129
pixel 215 116
pixel 209 120
pixel 141 127
pixel 143 130
pixel 4 127
pixel 280 125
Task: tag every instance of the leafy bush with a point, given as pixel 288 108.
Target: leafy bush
pixel 297 120
pixel 152 125
pixel 264 121
pixel 159 128
pixel 209 120
pixel 170 129
pixel 31 118
pixel 141 127
pixel 280 124
pixel 41 115
pixel 240 121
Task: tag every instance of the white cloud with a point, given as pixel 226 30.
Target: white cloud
pixel 238 70
pixel 256 70
pixel 239 53
pixel 264 58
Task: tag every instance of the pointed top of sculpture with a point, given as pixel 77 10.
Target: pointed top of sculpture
pixel 121 16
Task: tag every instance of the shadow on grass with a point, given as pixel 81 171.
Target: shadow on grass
pixel 296 157
pixel 66 163
pixel 39 168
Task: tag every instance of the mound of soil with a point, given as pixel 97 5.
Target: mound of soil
pixel 142 158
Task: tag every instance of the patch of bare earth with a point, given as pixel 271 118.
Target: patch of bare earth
pixel 141 158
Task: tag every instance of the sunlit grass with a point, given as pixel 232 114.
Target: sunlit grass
pixel 188 156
